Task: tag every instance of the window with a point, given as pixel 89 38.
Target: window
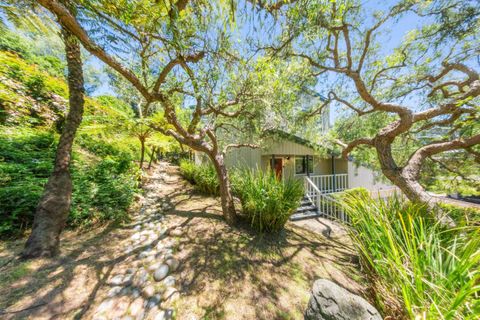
pixel 301 164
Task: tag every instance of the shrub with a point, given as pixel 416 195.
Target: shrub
pixel 36 86
pixel 26 162
pixel 432 271
pixel 203 177
pixel 187 170
pixel 104 192
pixel 103 189
pixel 267 202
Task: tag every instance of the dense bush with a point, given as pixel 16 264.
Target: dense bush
pixel 203 177
pixel 25 164
pixel 266 201
pixel 104 192
pixel 103 189
pixel 433 272
pixel 187 170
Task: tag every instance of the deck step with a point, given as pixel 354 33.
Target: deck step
pixel 304 208
pixel 305 203
pixel 305 215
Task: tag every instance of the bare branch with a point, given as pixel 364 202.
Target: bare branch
pixel 239 145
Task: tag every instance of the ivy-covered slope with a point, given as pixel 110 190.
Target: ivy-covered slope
pixel 33 104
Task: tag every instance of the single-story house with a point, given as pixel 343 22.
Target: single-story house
pixel 291 156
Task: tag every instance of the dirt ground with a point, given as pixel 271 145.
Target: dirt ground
pixel 223 272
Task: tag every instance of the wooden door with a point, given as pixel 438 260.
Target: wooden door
pixel 278 167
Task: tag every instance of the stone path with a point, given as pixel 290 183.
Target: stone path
pixel 146 287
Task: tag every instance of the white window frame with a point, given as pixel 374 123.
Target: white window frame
pixel 305 165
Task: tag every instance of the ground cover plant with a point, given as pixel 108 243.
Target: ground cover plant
pixel 429 271
pixel 104 187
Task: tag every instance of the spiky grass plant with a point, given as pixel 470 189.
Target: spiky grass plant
pixel 266 201
pixel 434 272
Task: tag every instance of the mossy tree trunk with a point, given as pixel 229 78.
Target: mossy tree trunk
pixel 52 210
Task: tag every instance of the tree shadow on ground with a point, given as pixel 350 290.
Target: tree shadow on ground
pixel 225 272
pixel 223 267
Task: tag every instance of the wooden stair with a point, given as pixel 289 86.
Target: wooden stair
pixel 306 210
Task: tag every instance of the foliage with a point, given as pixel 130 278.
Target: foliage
pixel 33 104
pixel 104 192
pixel 433 272
pixel 204 177
pixel 26 161
pixel 188 169
pixel 266 201
pixel 462 215
pixel 103 189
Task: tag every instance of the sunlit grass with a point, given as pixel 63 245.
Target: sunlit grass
pixel 433 271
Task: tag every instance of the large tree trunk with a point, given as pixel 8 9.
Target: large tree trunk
pixel 406 179
pixel 52 210
pixel 228 206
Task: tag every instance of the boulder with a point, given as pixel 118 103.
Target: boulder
pixel 329 301
pixel 161 272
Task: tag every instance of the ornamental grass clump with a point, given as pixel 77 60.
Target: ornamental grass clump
pixel 203 177
pixel 433 272
pixel 266 201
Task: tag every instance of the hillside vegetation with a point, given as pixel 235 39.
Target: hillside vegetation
pixel 33 105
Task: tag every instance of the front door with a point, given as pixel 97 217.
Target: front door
pixel 278 167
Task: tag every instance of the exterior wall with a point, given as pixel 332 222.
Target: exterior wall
pixel 360 176
pixel 286 147
pixel 287 150
pixel 243 158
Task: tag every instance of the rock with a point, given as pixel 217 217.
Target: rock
pixel 128 279
pixel 114 291
pixel 118 280
pixel 152 313
pixel 105 306
pixel 154 266
pixel 120 308
pixel 145 254
pixel 169 281
pixel 148 291
pixel 171 294
pixel 160 315
pixel 131 270
pixel 153 301
pixel 141 278
pixel 329 301
pixel 164 315
pixel 176 232
pixel 172 263
pixel 136 306
pixel 135 293
pixel 126 291
pixel 136 236
pixel 161 272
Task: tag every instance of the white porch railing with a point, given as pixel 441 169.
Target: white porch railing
pixel 324 202
pixel 329 183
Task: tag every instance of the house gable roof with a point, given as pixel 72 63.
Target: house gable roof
pixel 295 138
